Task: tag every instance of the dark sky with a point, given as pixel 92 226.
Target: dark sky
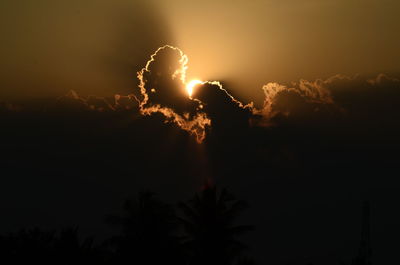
pixel 93 46
pixel 304 157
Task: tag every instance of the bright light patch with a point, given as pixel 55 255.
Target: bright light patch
pixel 190 86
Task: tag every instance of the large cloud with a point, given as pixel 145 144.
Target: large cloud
pixel 352 102
pixel 211 109
pixel 361 99
pixel 162 90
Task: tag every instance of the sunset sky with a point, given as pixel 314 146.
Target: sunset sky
pixel 293 105
pixel 95 47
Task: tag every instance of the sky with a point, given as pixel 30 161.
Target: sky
pixel 94 108
pixel 96 47
pixel 93 47
pixel 251 43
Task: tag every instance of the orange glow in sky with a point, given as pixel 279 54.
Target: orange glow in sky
pixel 191 85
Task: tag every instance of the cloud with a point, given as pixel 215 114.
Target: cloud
pixel 212 109
pixel 297 121
pixel 362 96
pixel 226 112
pixel 162 90
pixel 73 101
pixel 303 98
pixel 125 102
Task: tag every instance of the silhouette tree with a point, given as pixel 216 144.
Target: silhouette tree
pixel 27 246
pixel 209 225
pixel 70 249
pixel 148 233
pixel 151 233
pixel 43 247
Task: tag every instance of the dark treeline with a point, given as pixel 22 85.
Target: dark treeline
pixel 201 230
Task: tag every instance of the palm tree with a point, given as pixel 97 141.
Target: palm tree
pixel 148 232
pixel 209 225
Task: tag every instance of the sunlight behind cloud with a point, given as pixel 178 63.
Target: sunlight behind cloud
pixel 190 86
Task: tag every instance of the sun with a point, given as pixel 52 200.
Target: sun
pixel 190 85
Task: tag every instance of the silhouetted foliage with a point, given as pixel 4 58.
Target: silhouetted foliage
pixel 27 246
pixel 209 224
pixel 151 232
pixel 71 250
pixel 43 247
pixel 148 232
